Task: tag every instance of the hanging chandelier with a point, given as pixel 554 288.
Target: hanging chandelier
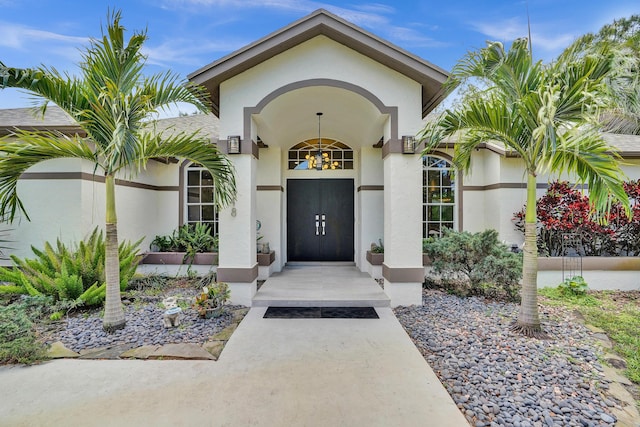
pixel 319 155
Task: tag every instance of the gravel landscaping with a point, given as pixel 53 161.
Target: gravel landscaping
pixel 498 378
pixel 144 313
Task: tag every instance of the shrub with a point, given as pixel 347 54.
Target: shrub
pixel 565 211
pixel 69 273
pixel 18 342
pixel 575 285
pixel 475 264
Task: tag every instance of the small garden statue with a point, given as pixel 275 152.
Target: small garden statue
pixel 171 317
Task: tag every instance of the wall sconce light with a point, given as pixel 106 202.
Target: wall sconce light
pixel 233 144
pixel 408 144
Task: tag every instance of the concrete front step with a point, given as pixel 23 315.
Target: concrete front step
pixel 266 302
pixel 321 286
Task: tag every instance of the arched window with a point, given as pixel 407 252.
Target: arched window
pixel 200 203
pixel 336 155
pixel 438 196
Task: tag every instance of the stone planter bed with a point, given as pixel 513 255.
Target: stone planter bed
pixel 498 378
pixel 177 258
pixel 144 336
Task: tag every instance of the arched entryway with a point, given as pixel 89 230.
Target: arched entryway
pixel 322 209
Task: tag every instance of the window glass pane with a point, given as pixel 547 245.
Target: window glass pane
pixel 192 195
pixel 194 213
pixel 193 178
pixel 433 229
pixel 207 179
pixel 434 213
pixel 207 194
pixel 447 195
pixel 433 178
pixel 447 213
pixel 446 178
pixel 207 213
pixel 348 154
pixel 348 164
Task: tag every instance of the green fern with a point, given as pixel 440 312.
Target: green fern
pixel 70 273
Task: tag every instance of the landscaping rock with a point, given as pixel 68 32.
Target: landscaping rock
pixel 181 351
pixel 140 353
pixel 112 352
pixel 214 348
pixel 224 334
pixel 57 350
pixel 499 378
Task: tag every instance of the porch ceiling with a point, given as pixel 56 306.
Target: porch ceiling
pixel 347 117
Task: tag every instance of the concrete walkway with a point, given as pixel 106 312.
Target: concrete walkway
pixel 273 372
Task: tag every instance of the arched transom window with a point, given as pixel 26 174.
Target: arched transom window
pixel 438 196
pixel 335 155
pixel 200 198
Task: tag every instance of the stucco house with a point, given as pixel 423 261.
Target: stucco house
pixel 323 187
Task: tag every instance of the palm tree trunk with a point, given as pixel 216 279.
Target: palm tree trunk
pixel 528 322
pixel 113 313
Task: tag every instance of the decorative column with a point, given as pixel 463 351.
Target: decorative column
pixel 402 269
pixel 238 258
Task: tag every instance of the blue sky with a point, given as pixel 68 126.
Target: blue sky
pixel 187 34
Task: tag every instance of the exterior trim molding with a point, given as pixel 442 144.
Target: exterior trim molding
pixel 593 263
pixel 270 188
pixel 322 22
pixel 403 274
pixel 371 188
pixel 237 275
pixel 513 186
pixel 84 176
pixel 391 111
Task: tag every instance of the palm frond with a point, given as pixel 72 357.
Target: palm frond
pixel 198 149
pixel 584 152
pixel 29 149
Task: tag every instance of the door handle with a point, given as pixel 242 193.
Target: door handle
pixel 317 225
pixel 324 226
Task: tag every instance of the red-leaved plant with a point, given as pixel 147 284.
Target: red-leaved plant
pixel 568 225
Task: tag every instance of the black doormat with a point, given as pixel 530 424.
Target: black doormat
pixel 321 313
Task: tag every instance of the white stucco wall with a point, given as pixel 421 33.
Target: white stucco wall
pixel 370 202
pixel 69 209
pixel 269 202
pixel 319 57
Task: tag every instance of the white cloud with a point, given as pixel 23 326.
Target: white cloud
pixel 18 36
pixel 186 52
pixel 507 30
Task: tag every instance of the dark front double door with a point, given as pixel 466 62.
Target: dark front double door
pixel 320 220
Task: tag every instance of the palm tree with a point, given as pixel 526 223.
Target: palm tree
pixel 623 38
pixel 111 101
pixel 547 115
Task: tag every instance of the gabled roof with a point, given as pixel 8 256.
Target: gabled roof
pixel 322 22
pixel 55 119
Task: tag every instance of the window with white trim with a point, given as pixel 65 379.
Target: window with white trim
pixel 438 196
pixel 335 155
pixel 200 198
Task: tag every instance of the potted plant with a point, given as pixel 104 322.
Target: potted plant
pixel 210 303
pixel 375 256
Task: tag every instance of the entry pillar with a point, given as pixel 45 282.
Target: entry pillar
pixel 402 269
pixel 238 264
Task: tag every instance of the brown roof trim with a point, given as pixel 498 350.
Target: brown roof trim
pixel 68 130
pixel 322 22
